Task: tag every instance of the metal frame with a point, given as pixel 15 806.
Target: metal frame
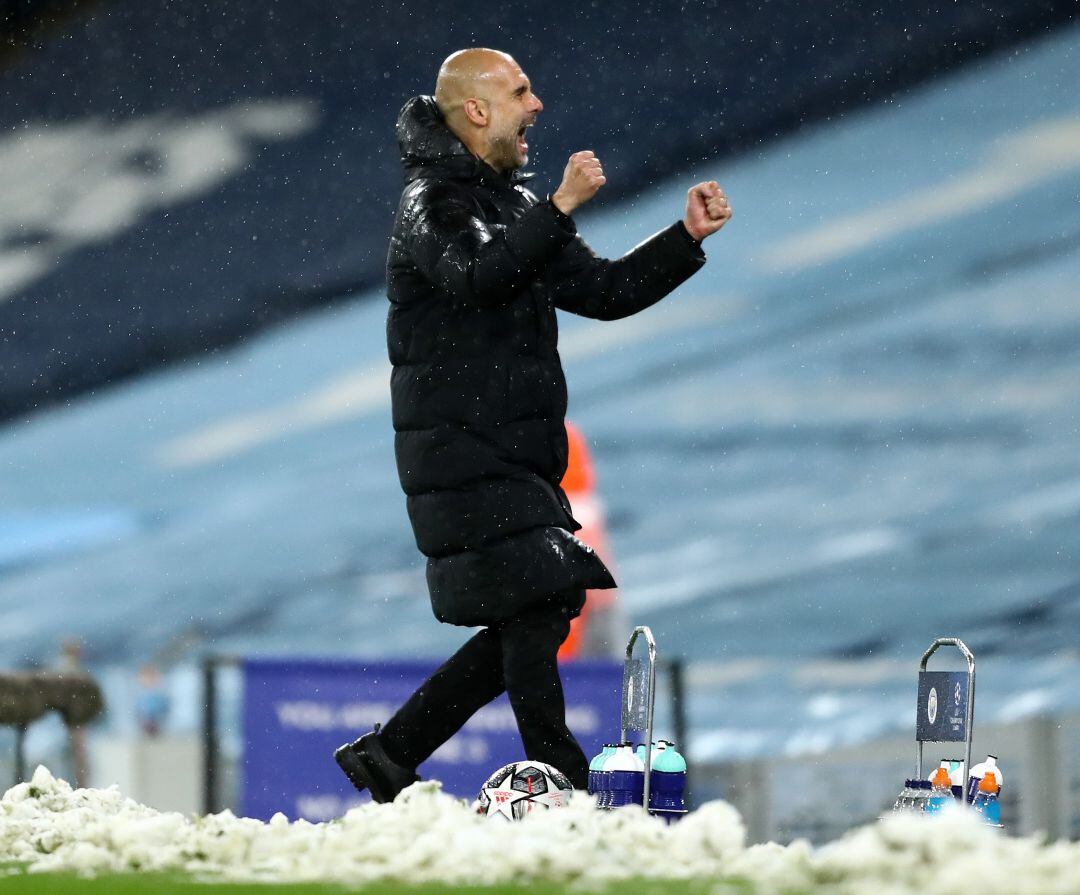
pixel 650 706
pixel 970 715
pixel 20 754
pixel 212 802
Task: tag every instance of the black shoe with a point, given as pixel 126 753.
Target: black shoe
pixel 368 766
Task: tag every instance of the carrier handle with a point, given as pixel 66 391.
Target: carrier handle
pixel 644 631
pixel 970 708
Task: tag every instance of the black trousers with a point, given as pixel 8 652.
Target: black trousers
pixel 518 656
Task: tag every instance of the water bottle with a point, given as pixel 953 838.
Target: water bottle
pixel 957 778
pixel 604 776
pixel 956 772
pixel 596 778
pixel 626 777
pixel 596 769
pixel 977 774
pixel 914 796
pixel 920 795
pixel 640 753
pixel 667 784
pixel 903 801
pixel 986 799
pixel 940 790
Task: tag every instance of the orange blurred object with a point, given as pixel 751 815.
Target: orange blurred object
pixel 580 477
pixel 579 483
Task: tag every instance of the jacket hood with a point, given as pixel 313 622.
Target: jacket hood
pixel 429 146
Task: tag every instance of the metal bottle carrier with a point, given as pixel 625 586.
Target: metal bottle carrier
pixel 639 698
pixel 942 694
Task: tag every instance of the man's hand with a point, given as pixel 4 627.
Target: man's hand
pixel 581 179
pixel 707 210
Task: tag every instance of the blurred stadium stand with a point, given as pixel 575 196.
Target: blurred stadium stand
pixel 177 176
pixel 855 427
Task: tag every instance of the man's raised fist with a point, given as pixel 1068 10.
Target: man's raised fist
pixel 581 179
pixel 707 210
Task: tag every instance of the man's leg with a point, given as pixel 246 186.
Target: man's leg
pixel 466 682
pixel 530 644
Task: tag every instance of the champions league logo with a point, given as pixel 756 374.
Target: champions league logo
pixel 940 715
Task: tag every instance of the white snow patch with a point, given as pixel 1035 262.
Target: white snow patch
pixel 426 836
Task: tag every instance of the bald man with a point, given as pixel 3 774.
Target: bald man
pixel 477 267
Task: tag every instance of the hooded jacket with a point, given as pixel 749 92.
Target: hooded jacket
pixel 476 269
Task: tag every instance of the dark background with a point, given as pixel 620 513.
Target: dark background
pixel 651 91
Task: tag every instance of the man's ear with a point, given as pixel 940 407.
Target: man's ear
pixel 476 111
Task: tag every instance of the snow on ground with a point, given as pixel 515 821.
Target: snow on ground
pixel 427 836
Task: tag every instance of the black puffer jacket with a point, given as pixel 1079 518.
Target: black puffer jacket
pixel 476 269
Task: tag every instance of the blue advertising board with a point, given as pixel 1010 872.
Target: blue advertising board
pixel 296 712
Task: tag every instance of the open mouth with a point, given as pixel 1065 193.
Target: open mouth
pixel 522 145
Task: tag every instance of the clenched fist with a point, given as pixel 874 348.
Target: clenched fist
pixel 580 181
pixel 707 210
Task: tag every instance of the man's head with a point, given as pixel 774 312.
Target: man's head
pixel 488 103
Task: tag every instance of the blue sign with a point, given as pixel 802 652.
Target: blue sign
pixel 298 711
pixel 943 701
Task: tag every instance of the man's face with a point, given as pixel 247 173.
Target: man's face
pixel 513 108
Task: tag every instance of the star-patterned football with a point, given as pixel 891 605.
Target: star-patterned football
pixel 517 789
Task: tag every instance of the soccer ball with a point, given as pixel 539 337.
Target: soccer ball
pixel 520 788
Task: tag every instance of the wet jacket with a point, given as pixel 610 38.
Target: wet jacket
pixel 476 268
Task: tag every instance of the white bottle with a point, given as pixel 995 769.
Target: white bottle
pixel 626 777
pixel 956 773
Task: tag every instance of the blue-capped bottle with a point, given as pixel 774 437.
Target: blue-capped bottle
pixel 977 772
pixel 667 783
pixel 625 777
pixel 643 753
pixel 920 795
pixel 597 779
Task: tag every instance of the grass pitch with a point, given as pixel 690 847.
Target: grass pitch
pixel 158 884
